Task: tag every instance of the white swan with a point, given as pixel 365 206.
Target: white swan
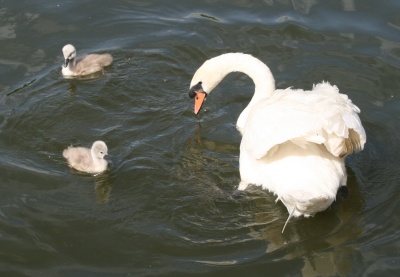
pixel 294 141
pixel 87 160
pixel 84 65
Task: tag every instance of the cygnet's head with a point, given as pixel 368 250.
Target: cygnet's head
pixel 69 52
pixel 99 149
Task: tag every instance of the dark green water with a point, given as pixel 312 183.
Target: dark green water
pixel 167 205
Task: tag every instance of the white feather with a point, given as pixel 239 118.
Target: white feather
pixel 322 116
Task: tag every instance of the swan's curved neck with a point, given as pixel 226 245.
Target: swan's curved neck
pixel 264 82
pixel 72 63
pixel 96 160
pixel 260 73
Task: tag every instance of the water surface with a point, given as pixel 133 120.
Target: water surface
pixel 167 205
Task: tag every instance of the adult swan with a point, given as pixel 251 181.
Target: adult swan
pixel 294 141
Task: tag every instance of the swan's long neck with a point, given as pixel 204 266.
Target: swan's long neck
pixel 217 68
pixel 72 64
pixel 264 83
pixel 96 160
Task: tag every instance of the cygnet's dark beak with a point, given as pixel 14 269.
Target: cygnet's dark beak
pixel 66 62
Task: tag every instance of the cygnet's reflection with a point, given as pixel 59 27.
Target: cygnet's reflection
pixel 103 187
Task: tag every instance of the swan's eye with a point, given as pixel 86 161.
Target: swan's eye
pixel 196 88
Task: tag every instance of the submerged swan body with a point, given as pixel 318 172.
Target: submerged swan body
pixel 87 160
pixel 293 141
pixel 85 65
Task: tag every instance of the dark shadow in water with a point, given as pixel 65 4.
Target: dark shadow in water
pixel 196 136
pixel 22 87
pixel 209 17
pixel 102 184
pixel 206 16
pixel 103 187
pixel 72 88
pixel 194 166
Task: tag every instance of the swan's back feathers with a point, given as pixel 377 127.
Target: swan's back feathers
pixel 92 63
pixel 322 116
pixel 78 158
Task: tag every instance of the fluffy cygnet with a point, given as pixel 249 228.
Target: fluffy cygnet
pixel 87 160
pixel 84 65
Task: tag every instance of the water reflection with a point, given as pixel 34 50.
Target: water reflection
pixel 304 6
pixel 35 62
pixel 348 5
pixel 72 88
pixel 168 206
pixel 103 183
pixel 196 163
pixel 103 187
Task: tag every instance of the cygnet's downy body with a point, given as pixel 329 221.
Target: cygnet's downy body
pixel 81 66
pixel 87 160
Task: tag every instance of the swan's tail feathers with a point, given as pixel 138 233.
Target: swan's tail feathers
pixel 306 203
pixel 289 217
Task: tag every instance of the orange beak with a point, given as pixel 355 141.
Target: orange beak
pixel 198 101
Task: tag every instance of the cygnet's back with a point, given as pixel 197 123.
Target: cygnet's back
pixel 87 160
pixel 85 65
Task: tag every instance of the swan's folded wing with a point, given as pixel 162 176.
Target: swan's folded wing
pixel 92 63
pixel 321 116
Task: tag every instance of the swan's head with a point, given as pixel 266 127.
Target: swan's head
pixel 210 74
pixel 99 149
pixel 197 92
pixel 206 78
pixel 69 53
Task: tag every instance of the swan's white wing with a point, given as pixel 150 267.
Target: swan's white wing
pixel 322 116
